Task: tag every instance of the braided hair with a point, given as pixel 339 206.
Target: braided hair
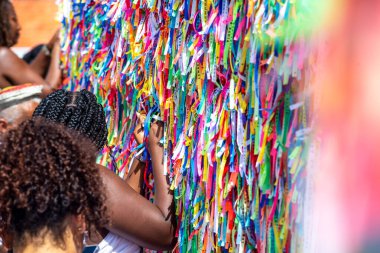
pixel 6 10
pixel 76 110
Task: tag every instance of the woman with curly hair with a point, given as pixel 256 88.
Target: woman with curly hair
pixel 134 219
pixel 43 69
pixel 50 189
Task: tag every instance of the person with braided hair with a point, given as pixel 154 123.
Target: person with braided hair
pixel 44 69
pixel 134 219
pixel 50 188
pixel 79 111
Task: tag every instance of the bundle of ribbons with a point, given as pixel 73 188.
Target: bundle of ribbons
pixel 230 80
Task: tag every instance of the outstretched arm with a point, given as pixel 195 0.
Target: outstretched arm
pixel 135 176
pixel 19 72
pixel 53 76
pixel 40 64
pixel 134 217
pixel 16 70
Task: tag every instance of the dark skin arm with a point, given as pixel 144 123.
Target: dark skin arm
pixel 135 176
pixel 17 71
pixel 134 217
pixel 11 68
pixel 54 74
pixel 42 61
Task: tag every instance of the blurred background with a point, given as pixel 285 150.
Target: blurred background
pixel 346 177
pixel 38 22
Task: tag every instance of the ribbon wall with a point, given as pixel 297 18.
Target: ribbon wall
pixel 228 78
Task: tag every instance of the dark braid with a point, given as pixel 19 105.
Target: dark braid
pixel 77 110
pixel 5 27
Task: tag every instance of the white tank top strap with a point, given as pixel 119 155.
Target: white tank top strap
pixel 115 244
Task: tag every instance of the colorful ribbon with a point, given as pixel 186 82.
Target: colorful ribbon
pixel 228 78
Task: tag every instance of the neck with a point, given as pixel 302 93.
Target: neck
pixel 46 243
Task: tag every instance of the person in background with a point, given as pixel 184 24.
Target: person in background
pixel 134 219
pixel 51 191
pixel 43 68
pixel 17 104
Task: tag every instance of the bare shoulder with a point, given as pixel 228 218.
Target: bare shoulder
pixel 7 56
pixel 6 52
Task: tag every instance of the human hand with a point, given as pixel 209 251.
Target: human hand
pixel 139 128
pixel 155 134
pixel 53 40
pixel 156 131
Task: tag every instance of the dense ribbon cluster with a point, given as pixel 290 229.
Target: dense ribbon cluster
pixel 230 80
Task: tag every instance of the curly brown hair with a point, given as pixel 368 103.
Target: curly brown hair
pixel 47 174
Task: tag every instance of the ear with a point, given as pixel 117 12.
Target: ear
pixel 3 125
pixel 78 229
pixel 80 222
